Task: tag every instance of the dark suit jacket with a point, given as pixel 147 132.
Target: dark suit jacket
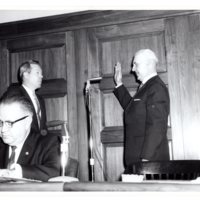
pixel 18 89
pixel 39 157
pixel 145 118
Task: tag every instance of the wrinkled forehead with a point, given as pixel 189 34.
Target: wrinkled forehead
pixel 144 56
pixel 11 111
pixel 141 57
pixel 35 67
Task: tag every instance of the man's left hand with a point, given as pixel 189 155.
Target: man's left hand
pixel 14 172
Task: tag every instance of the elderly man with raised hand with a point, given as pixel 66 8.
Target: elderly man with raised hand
pixel 146 113
pixel 24 154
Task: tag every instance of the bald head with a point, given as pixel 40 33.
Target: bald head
pixel 148 56
pixel 144 64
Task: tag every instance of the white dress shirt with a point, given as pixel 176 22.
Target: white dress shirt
pixel 149 77
pixel 15 169
pixel 35 102
pixel 31 95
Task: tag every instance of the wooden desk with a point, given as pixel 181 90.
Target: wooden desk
pixel 50 187
pixel 152 186
pixel 102 186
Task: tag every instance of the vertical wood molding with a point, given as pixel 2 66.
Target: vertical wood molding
pixel 81 77
pixel 4 67
pixel 95 93
pixel 174 89
pixel 183 53
pixel 71 94
pixel 190 73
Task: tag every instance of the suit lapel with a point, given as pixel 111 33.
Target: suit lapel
pixel 27 149
pixel 145 86
pixel 148 83
pixel 35 121
pixel 4 153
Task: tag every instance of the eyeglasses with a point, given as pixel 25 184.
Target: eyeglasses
pixel 9 124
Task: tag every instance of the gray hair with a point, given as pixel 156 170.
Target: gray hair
pixel 25 67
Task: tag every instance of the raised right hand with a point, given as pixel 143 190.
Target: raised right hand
pixel 118 74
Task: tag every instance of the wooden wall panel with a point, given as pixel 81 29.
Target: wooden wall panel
pixel 71 94
pixel 56 60
pixel 96 127
pixel 106 46
pixel 54 107
pixel 84 19
pixel 122 49
pixel 58 64
pixel 129 29
pixel 95 104
pixel 175 89
pixel 50 50
pixel 4 69
pixel 183 47
pixel 52 61
pixel 81 76
pixel 113 154
pixel 112 111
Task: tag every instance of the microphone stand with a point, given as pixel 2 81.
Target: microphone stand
pixel 88 100
pixel 64 150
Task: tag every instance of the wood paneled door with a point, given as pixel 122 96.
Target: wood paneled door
pixel 106 46
pixel 51 52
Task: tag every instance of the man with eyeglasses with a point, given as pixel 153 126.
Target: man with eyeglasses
pixel 24 154
pixel 30 79
pixel 146 113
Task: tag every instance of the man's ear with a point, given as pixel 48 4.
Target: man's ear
pixel 25 74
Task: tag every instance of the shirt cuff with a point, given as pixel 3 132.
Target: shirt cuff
pixel 19 170
pixel 118 85
pixel 16 171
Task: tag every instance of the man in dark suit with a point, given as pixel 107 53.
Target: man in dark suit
pixel 30 79
pixel 24 154
pixel 146 113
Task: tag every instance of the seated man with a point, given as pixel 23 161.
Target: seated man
pixel 24 154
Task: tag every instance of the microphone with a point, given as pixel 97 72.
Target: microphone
pixel 94 79
pixel 90 81
pixel 64 148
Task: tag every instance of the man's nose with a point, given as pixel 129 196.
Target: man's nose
pixel 4 128
pixel 133 68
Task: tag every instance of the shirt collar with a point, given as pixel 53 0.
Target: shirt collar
pixel 29 91
pixel 149 77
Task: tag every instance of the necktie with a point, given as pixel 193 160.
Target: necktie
pixel 11 160
pixel 38 110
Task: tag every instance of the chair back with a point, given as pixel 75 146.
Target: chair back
pixel 167 170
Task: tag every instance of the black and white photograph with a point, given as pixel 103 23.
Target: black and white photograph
pixel 100 98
